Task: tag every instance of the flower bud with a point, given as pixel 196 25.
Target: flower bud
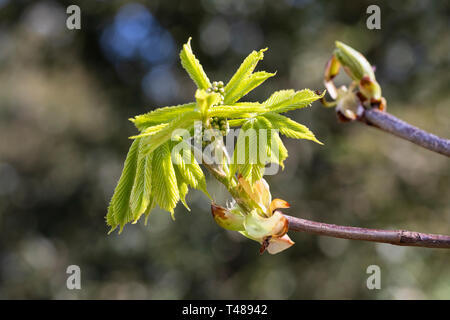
pixel 228 219
pixel 354 63
pixel 370 88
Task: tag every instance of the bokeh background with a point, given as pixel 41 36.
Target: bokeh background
pixel 66 95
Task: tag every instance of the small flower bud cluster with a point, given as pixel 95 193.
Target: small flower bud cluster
pixel 220 124
pixel 217 123
pixel 218 87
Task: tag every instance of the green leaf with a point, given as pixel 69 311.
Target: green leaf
pixel 182 188
pixel 164 180
pixel 236 111
pixel 245 69
pixel 279 153
pixel 245 86
pixel 193 67
pixel 185 121
pixel 237 122
pixel 141 191
pixel 119 212
pixel 285 100
pixel 289 127
pixel 161 115
pixel 150 131
pixel 246 158
pixel 189 168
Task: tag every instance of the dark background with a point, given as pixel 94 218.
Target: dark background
pixel 66 95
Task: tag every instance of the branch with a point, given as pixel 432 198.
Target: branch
pixel 387 122
pixel 395 237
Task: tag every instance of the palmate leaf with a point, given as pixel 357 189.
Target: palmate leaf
pixel 246 160
pixel 289 127
pixel 246 85
pixel 189 168
pixel 164 180
pixel 237 122
pixel 286 100
pixel 153 174
pixel 183 188
pixel 278 152
pixel 150 131
pixel 141 191
pixel 242 111
pixel 184 121
pixel 119 212
pixel 161 115
pixel 193 67
pixel 244 70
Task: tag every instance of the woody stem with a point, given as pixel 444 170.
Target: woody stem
pixel 387 122
pixel 395 237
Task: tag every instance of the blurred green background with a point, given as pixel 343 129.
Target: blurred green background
pixel 66 95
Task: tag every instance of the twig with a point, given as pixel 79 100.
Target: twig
pixel 389 123
pixel 395 237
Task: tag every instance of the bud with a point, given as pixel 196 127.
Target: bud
pixel 370 88
pixel 269 232
pixel 354 63
pixel 259 192
pixel 228 219
pixel 205 100
pixel 332 68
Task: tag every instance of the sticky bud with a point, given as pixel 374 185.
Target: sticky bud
pixel 354 63
pixel 228 219
pixel 370 88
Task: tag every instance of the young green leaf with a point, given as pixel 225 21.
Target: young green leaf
pixel 150 131
pixel 193 67
pixel 286 100
pixel 161 115
pixel 242 111
pixel 119 212
pixel 164 181
pixel 182 188
pixel 245 69
pixel 237 122
pixel 185 121
pixel 246 158
pixel 141 191
pixel 189 168
pixel 246 85
pixel 290 128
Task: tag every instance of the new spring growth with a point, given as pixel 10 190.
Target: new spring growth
pixel 364 90
pixel 264 224
pixel 163 164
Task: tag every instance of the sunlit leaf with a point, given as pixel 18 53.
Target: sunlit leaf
pixel 286 100
pixel 161 115
pixel 245 69
pixel 119 212
pixel 289 127
pixel 193 67
pixel 246 85
pixel 164 180
pixel 185 121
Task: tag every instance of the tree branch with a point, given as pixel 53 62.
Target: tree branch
pixel 387 122
pixel 395 237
